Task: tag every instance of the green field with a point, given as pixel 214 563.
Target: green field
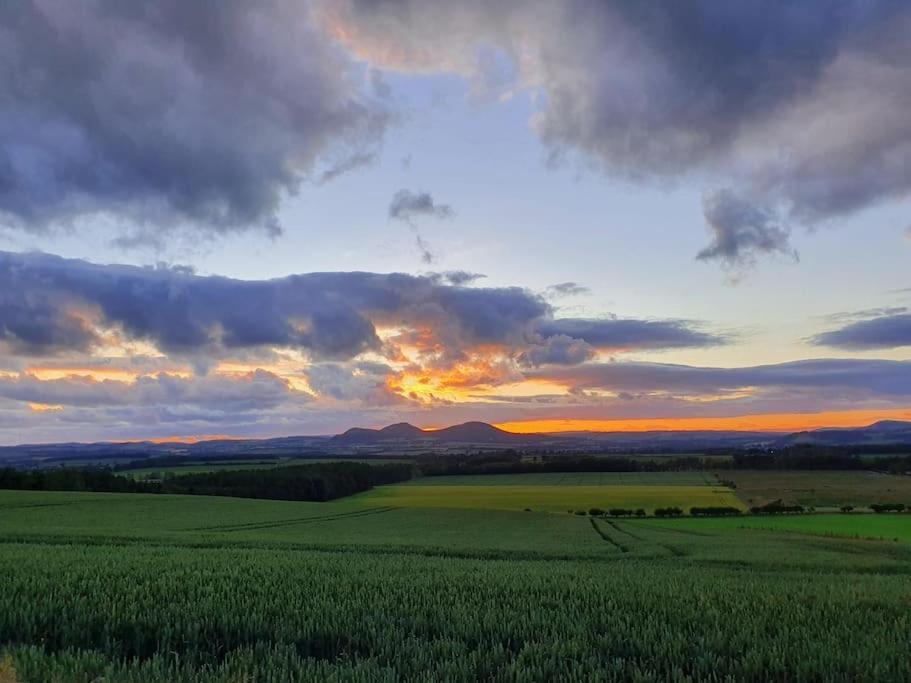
pixel 572 479
pixel 868 526
pixel 556 492
pixel 154 588
pixel 820 488
pixel 548 498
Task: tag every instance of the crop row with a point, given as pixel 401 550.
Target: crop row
pixel 156 614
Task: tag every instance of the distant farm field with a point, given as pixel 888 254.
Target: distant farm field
pixel 820 488
pixel 554 492
pixel 572 479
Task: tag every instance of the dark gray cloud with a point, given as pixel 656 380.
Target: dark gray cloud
pixel 460 277
pixel 618 333
pixel 408 206
pixel 48 303
pixel 884 332
pixel 168 114
pixel 798 106
pixel 849 376
pixel 566 289
pixel 558 349
pixel 741 230
pixel 258 390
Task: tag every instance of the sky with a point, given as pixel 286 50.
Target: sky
pixel 276 218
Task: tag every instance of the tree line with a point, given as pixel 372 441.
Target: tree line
pixel 312 482
pixel 796 458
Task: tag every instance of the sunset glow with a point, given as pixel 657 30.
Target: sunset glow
pixel 782 422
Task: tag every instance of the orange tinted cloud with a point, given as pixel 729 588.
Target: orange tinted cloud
pixel 459 382
pixel 97 373
pixel 774 422
pixel 44 407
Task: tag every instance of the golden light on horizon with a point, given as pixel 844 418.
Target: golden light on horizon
pixel 767 422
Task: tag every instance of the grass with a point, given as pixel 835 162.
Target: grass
pixel 866 526
pixel 820 488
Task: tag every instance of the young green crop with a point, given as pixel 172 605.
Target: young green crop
pixel 169 588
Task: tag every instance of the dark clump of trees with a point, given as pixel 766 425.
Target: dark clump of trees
pixel 320 482
pixel 511 462
pixel 69 479
pixel 313 482
pixel 714 511
pixel 620 512
pixel 777 508
pixel 799 457
pixel 887 507
pixel 668 512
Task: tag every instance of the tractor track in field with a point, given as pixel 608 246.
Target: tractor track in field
pixel 25 506
pixel 607 537
pixel 672 549
pixel 624 531
pixel 251 526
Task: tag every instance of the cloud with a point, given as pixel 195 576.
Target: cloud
pixel 408 206
pixel 618 333
pixel 884 332
pixel 566 289
pixel 460 277
pixel 48 304
pixel 850 376
pixel 257 390
pixel 798 107
pixel 558 349
pixel 362 382
pixel 177 115
pixel 741 230
pixel 346 165
pixel 54 305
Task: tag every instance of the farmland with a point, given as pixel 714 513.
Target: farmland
pixel 864 525
pixel 554 493
pixel 391 585
pixel 820 488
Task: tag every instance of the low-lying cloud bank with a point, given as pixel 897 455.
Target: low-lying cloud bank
pixel 50 305
pixel 877 333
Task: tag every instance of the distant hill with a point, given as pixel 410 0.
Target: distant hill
pixel 468 432
pixel 885 432
pixel 401 431
pixel 481 432
pixel 403 440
